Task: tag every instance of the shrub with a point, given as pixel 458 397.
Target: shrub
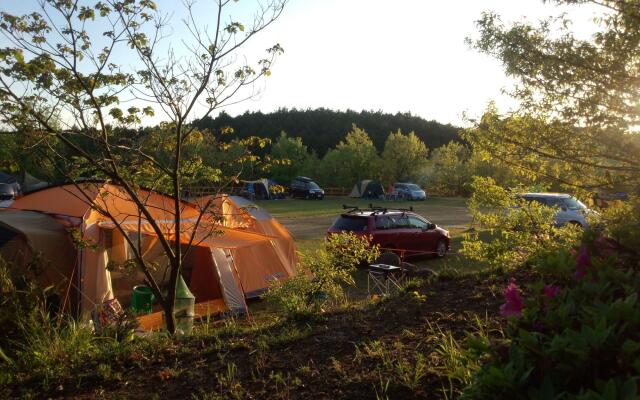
pixel 574 334
pixel 622 223
pixel 323 274
pixel 21 303
pixel 521 232
pixel 41 347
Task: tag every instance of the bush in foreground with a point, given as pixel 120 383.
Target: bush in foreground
pixel 323 274
pixel 576 332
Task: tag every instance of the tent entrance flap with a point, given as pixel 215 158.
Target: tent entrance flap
pixel 199 271
pixel 231 292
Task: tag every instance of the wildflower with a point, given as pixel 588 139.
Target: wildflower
pixel 551 291
pixel 583 262
pixel 513 301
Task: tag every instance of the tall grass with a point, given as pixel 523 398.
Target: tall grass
pixel 42 350
pixel 51 350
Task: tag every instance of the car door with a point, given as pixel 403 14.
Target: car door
pixel 296 189
pixel 405 238
pixel 425 239
pixel 385 233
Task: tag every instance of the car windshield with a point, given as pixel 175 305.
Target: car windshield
pixel 313 185
pixel 353 224
pixel 413 187
pixel 573 204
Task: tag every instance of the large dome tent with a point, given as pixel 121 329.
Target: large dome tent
pixel 210 269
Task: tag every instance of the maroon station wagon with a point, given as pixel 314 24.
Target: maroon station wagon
pixel 401 231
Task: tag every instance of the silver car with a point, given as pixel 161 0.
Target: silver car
pixel 409 191
pixel 570 209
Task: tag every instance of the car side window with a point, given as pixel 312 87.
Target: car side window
pixel 383 223
pixel 534 200
pixel 417 223
pixel 554 202
pixel 401 222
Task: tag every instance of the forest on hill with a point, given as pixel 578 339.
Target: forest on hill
pixel 321 129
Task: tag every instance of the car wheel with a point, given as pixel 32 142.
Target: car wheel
pixel 441 248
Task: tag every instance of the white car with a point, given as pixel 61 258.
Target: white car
pixel 570 209
pixel 409 191
pixel 8 193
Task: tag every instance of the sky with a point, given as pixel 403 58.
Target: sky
pixel 394 56
pixel 390 56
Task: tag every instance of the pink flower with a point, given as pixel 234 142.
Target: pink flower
pixel 513 301
pixel 548 293
pixel 551 291
pixel 583 262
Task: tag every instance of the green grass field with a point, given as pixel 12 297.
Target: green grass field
pixel 333 205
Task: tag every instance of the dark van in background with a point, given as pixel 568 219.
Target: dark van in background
pixel 305 188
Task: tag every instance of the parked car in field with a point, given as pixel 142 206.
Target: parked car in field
pixel 570 209
pixel 401 231
pixel 409 191
pixel 306 188
pixel 8 194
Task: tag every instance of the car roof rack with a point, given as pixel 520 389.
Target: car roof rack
pixel 374 209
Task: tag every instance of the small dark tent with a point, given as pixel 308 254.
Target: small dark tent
pixel 256 190
pixel 368 189
pixel 261 189
pixel 23 182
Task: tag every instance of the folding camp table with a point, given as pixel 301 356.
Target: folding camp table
pixel 382 278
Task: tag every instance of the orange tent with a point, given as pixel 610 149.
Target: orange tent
pixel 216 267
pixel 267 261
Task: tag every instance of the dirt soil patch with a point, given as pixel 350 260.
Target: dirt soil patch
pixel 358 353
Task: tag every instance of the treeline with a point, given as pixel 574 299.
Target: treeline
pixel 322 129
pixel 445 170
pixel 443 164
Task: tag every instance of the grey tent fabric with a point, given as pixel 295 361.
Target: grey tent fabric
pixel 40 239
pixel 31 183
pixel 232 294
pixel 43 233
